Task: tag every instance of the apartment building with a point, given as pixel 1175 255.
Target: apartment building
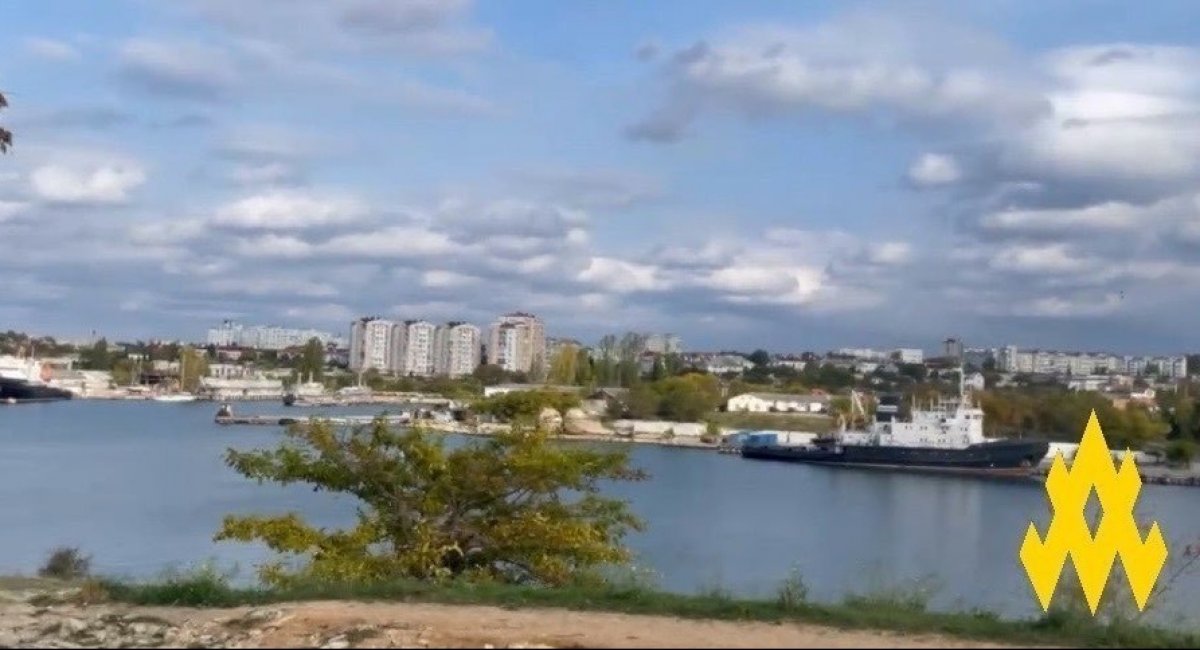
pixel 1051 362
pixel 371 344
pixel 517 343
pixel 418 348
pixel 266 337
pixel 457 349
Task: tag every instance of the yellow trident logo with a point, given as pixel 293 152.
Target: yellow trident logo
pixel 1117 533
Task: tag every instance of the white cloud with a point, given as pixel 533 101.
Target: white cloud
pixel 620 276
pixel 328 312
pixel 437 278
pixel 51 49
pixel 78 184
pixel 932 170
pixel 167 232
pixel 397 241
pixel 890 253
pixel 1038 259
pixel 10 209
pixel 263 285
pixel 178 68
pixel 273 245
pixel 262 174
pixel 1107 216
pixel 287 210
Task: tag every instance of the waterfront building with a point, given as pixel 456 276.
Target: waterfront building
pixel 517 343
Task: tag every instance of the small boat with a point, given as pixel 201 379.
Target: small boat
pixel 175 397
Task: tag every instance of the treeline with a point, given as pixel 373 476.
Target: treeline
pixel 1061 415
pixel 691 397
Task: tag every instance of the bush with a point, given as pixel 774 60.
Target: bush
pixel 1181 452
pixel 793 593
pixel 66 563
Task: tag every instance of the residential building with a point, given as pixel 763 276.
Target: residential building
pixel 953 348
pixel 974 381
pixel 418 348
pixel 866 354
pixel 1050 362
pixel 909 355
pixel 517 343
pixel 266 337
pixel 778 403
pixel 456 349
pixel 722 364
pixel 662 344
pixel 371 344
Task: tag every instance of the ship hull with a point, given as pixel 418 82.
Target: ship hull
pixel 15 390
pixel 1001 457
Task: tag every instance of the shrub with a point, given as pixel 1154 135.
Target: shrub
pixel 793 593
pixel 1181 452
pixel 66 563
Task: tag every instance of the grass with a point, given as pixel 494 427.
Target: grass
pixel 776 421
pixel 891 610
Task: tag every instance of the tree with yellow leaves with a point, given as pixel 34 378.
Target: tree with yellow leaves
pixel 515 507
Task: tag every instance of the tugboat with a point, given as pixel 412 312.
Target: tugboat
pixel 947 437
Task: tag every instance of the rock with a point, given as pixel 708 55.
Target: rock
pixel 337 643
pixel 73 626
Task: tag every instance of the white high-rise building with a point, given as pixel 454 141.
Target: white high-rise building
pixel 517 343
pixel 456 349
pixel 418 348
pixel 266 337
pixel 371 344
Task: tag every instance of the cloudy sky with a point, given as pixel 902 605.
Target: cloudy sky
pixel 789 175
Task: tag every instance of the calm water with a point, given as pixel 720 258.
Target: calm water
pixel 142 487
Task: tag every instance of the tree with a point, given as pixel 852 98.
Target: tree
pixel 311 366
pixel 487 510
pixel 96 357
pixel 490 374
pixel 658 371
pixel 760 358
pixel 193 367
pixel 526 405
pixel 562 366
pixel 123 372
pixel 584 371
pixel 5 134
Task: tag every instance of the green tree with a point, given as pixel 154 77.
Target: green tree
pixel 123 372
pixel 526 405
pixel 311 365
pixel 490 374
pixel 5 134
pixel 488 510
pixel 658 371
pixel 584 372
pixel 96 357
pixel 562 366
pixel 760 358
pixel 193 366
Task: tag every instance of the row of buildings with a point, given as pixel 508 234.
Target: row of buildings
pixel 267 337
pixel 1051 362
pixel 418 348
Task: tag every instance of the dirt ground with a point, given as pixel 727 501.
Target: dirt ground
pixel 377 625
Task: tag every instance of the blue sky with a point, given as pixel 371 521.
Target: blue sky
pixel 790 175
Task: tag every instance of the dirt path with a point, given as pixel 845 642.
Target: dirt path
pixel 376 625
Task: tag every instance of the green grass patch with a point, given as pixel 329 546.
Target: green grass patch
pixel 889 610
pixel 775 421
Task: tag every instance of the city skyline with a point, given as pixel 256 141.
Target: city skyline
pixel 805 176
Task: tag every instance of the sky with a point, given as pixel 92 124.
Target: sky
pixel 794 176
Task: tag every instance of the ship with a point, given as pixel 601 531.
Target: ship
pixel 26 380
pixel 945 436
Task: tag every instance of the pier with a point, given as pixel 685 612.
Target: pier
pixel 285 420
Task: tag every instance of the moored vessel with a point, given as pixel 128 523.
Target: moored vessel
pixel 944 437
pixel 27 380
